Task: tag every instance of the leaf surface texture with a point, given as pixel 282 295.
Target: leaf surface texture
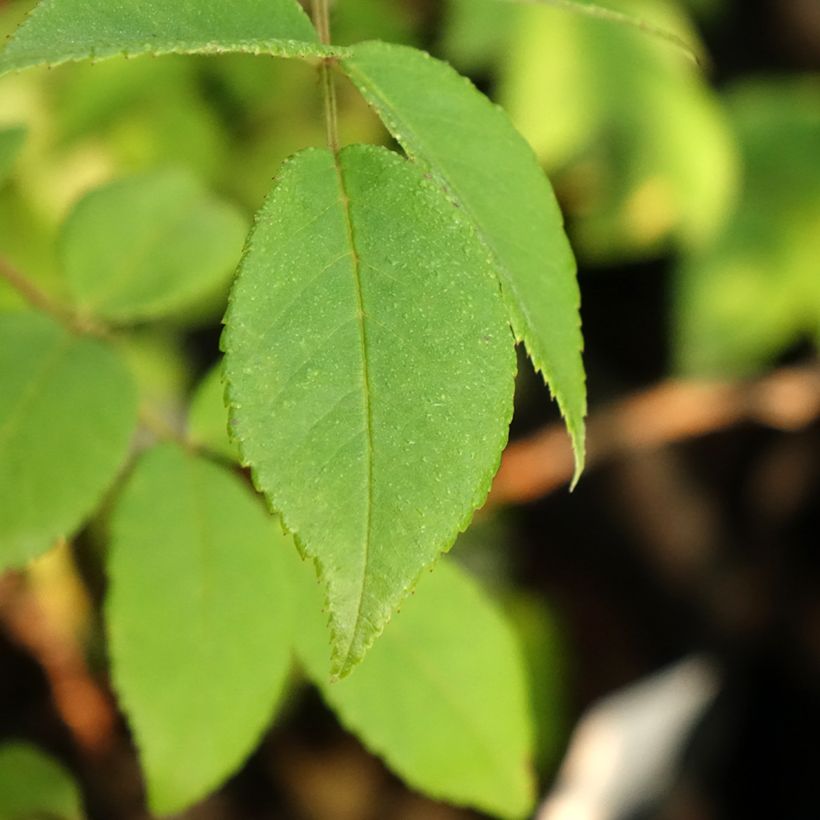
pixel 484 164
pixel 370 373
pixel 59 31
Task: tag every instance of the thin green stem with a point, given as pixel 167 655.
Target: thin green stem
pixel 43 303
pixel 321 19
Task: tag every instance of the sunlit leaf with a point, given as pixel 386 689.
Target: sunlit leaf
pixel 199 621
pixel 442 696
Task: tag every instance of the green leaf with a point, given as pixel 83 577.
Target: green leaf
pixel 11 141
pixel 199 621
pixel 370 373
pixel 150 245
pixel 442 696
pixel 472 149
pixel 208 416
pixel 755 290
pixel 59 31
pixel 34 786
pixel 68 410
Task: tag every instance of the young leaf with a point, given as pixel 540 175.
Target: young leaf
pixel 32 785
pixel 11 141
pixel 199 622
pixel 442 696
pixel 472 149
pixel 370 372
pixel 68 409
pixel 208 416
pixel 59 31
pixel 146 246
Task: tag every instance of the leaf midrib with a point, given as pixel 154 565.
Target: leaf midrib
pixel 436 166
pixel 357 277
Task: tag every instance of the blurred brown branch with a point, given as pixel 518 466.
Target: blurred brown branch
pixel 84 706
pixel 674 411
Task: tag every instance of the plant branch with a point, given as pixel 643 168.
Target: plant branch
pixel 42 302
pixel 321 19
pixel 618 17
pixel 671 412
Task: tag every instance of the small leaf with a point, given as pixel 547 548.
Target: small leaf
pixel 32 785
pixel 59 31
pixel 150 245
pixel 370 373
pixel 472 149
pixel 68 410
pixel 11 141
pixel 208 416
pixel 442 696
pixel 199 621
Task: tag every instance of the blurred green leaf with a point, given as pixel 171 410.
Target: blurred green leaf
pixel 199 621
pixel 208 417
pixel 644 150
pixel 156 356
pixel 58 31
pixel 756 289
pixel 34 787
pixel 472 150
pixel 357 20
pixel 11 141
pixel 441 696
pixel 365 342
pixel 68 411
pixel 545 661
pixel 148 246
pixel 476 33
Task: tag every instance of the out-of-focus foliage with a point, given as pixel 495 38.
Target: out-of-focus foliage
pixel 648 158
pixel 428 697
pixel 34 787
pixel 199 621
pixel 11 140
pixel 67 414
pixel 639 146
pixel 755 290
pixel 145 247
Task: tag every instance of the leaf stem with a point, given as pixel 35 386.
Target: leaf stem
pixel 43 303
pixel 321 19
